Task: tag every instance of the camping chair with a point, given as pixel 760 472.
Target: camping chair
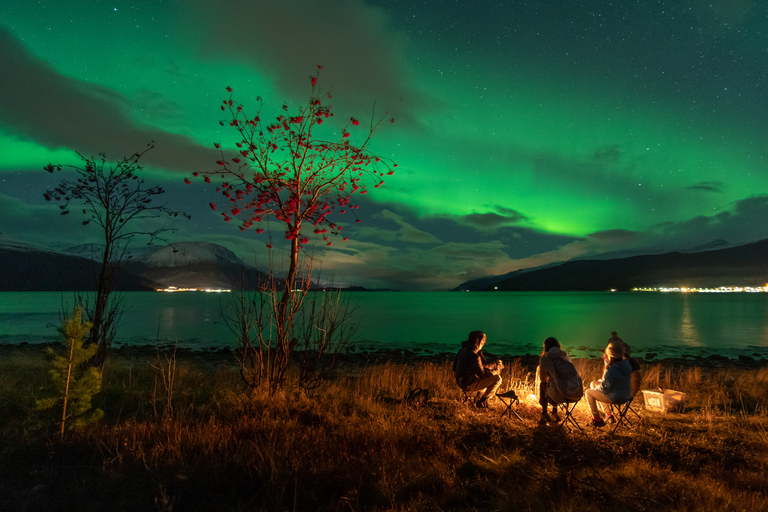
pixel 624 406
pixel 467 396
pixel 568 418
pixel 512 397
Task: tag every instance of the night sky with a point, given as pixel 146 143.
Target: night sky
pixel 526 132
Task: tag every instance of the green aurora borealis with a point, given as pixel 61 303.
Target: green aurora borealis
pixel 524 133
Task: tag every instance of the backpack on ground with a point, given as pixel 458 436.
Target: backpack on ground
pixel 567 380
pixel 417 396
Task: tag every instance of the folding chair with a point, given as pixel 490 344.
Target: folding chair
pixel 512 397
pixel 624 406
pixel 467 396
pixel 568 419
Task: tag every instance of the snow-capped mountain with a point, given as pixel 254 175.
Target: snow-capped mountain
pixel 33 267
pixel 25 266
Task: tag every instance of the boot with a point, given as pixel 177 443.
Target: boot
pixel 482 403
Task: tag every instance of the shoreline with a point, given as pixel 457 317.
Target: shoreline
pixel 397 356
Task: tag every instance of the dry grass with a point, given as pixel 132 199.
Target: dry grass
pixel 354 446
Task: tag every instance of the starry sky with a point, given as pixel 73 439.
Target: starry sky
pixel 526 132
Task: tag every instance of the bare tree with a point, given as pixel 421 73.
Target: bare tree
pixel 114 197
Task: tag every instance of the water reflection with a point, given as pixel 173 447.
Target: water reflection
pixel 166 321
pixel 668 325
pixel 689 335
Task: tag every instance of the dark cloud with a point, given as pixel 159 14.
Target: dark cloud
pixel 409 233
pixel 606 155
pixel 501 216
pixel 39 104
pixel 362 57
pixel 708 186
pixel 744 223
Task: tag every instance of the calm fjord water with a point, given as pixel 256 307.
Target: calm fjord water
pixel 668 324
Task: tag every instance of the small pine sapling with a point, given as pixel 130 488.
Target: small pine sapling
pixel 72 382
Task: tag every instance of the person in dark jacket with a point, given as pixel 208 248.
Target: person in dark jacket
pixel 472 374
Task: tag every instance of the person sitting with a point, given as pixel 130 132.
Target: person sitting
pixel 559 382
pixel 615 384
pixel 615 339
pixel 627 351
pixel 470 372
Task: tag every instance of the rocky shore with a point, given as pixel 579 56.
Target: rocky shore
pixel 225 356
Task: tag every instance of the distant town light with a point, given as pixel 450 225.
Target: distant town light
pixel 719 289
pixel 173 289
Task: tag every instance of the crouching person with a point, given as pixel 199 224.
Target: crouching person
pixel 470 372
pixel 559 382
pixel 614 386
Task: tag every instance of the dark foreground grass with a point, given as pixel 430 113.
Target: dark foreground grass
pixel 207 444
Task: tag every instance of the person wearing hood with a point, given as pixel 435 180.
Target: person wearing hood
pixel 549 390
pixel 615 384
pixel 615 339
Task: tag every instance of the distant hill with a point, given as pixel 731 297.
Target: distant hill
pixel 488 282
pixel 195 265
pixel 745 265
pixel 31 267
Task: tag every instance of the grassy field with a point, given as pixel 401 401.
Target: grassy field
pixel 200 441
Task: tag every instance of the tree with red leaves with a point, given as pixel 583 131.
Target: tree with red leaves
pixel 289 171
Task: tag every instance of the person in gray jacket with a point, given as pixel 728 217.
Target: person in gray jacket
pixel 615 384
pixel 552 392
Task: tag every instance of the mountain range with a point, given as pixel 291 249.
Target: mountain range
pixel 744 265
pixel 31 267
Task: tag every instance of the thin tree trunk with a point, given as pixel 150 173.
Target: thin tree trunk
pixel 103 290
pixel 66 386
